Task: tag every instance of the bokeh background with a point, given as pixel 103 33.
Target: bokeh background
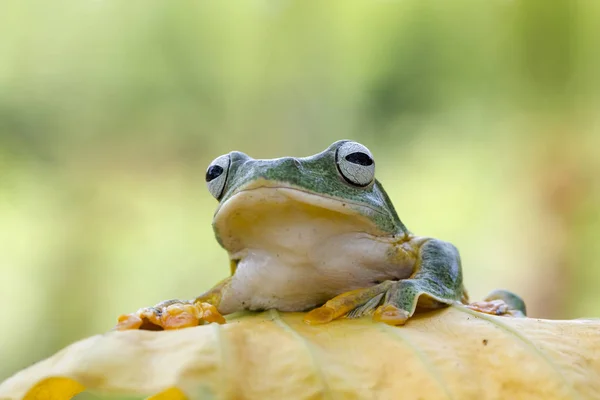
pixel 482 116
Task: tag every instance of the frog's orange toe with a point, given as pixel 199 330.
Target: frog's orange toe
pixel 179 316
pixel 128 321
pixel 391 315
pixel 144 319
pixel 321 315
pixel 169 315
pixel 180 321
pixel 210 313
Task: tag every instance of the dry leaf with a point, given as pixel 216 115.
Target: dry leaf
pixel 455 353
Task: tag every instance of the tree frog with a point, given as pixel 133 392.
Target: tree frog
pixel 318 234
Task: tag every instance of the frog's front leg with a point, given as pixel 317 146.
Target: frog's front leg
pixel 177 314
pixel 435 282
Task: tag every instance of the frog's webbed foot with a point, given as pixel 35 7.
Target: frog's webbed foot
pixel 436 282
pixel 391 302
pixel 405 296
pixel 177 314
pixel 500 302
pixel 353 304
pixel 170 314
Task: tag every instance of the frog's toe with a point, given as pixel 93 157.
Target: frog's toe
pixel 366 309
pixel 492 307
pixel 128 321
pixel 352 304
pixel 148 318
pixel 516 305
pixel 178 316
pixel 321 315
pixel 497 306
pixel 403 297
pixel 500 302
pixel 391 315
pixel 169 315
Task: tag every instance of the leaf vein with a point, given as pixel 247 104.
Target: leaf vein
pixel 277 318
pixel 429 366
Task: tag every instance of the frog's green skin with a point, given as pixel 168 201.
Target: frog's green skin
pixel 298 234
pixel 321 231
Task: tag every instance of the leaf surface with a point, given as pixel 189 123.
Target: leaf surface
pixel 454 353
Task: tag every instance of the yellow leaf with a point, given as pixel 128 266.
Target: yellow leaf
pixel 454 353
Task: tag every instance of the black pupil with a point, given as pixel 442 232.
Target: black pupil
pixel 360 159
pixel 213 172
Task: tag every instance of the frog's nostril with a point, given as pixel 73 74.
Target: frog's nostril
pixel 297 163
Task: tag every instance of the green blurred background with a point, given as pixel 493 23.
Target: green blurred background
pixel 482 116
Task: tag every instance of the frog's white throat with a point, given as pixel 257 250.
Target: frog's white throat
pixel 297 249
pixel 264 214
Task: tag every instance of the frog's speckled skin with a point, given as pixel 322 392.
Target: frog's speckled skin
pixel 308 232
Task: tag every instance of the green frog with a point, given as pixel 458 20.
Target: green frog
pixel 318 234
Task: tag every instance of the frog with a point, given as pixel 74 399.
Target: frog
pixel 319 235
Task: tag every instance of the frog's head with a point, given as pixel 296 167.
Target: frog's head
pixel 333 192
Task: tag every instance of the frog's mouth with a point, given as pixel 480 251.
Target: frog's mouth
pixel 266 213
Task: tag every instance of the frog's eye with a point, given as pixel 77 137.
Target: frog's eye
pixel 216 175
pixel 356 164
